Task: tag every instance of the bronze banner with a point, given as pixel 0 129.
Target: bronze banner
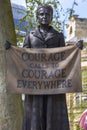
pixel 44 71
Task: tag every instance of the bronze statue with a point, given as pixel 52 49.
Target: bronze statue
pixel 45 112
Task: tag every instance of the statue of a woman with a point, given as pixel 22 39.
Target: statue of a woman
pixel 45 112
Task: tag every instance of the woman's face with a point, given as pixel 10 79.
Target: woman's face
pixel 44 16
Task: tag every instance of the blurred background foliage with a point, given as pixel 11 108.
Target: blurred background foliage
pixel 57 22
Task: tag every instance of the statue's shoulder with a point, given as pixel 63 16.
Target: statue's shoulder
pixel 61 34
pixel 35 31
pixel 32 32
pixel 57 32
pixel 29 33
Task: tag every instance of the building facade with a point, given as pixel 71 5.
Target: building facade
pixel 77 29
pixel 77 102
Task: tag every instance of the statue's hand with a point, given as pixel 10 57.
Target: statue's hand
pixel 80 44
pixel 7 45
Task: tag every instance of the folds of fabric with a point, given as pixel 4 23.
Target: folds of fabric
pixel 45 112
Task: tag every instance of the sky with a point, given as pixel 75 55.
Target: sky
pixel 19 2
pixel 79 10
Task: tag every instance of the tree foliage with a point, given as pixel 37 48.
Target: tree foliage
pixel 60 16
pixel 58 12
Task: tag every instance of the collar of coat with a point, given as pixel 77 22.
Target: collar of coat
pixel 51 33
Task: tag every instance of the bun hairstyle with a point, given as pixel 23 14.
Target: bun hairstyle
pixel 49 7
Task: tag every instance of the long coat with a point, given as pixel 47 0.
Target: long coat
pixel 45 112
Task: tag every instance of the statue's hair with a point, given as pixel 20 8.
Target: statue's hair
pixel 44 6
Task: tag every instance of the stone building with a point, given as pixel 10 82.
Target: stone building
pixel 77 102
pixel 76 29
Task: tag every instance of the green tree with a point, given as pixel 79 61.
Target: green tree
pixel 58 11
pixel 10 104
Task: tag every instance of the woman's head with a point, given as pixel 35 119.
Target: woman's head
pixel 44 14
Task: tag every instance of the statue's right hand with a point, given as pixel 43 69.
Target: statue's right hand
pixel 7 45
pixel 80 44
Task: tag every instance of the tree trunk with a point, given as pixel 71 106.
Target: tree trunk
pixel 10 104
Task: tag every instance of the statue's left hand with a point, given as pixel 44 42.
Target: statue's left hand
pixel 80 44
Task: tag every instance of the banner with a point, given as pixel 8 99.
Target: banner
pixel 44 71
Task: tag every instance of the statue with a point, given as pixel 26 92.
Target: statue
pixel 45 112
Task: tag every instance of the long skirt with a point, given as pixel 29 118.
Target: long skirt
pixel 45 112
